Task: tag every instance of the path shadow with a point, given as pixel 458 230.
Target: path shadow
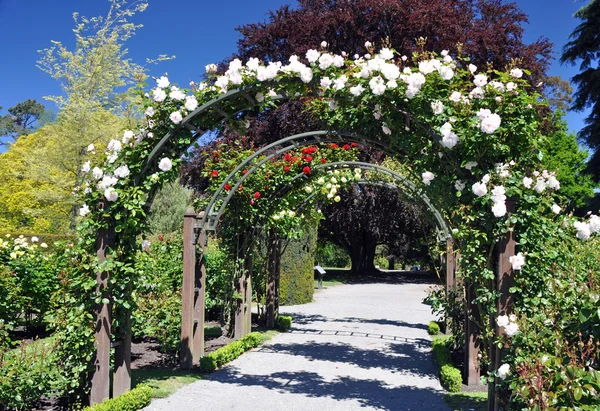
pixel 361 334
pixel 368 392
pixel 304 319
pixel 394 357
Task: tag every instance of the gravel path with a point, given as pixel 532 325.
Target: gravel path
pixel 356 347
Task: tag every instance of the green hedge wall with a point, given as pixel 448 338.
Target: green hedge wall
pixel 297 269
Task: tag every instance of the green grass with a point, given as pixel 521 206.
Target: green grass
pixel 466 401
pixel 164 382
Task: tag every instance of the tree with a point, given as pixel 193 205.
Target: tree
pixel 373 215
pixel 584 47
pixel 21 119
pixel 559 93
pixel 166 213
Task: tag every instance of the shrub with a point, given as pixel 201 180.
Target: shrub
pixel 441 353
pixel 331 255
pixel 230 352
pixel 212 331
pixel 27 373
pixel 434 328
pixel 284 322
pixel 297 282
pixel 134 400
pixel 451 378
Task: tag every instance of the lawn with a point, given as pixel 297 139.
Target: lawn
pixel 467 401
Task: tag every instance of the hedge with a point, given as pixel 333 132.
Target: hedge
pixel 450 376
pixel 284 322
pixel 133 400
pixel 434 328
pixel 230 352
pixel 297 283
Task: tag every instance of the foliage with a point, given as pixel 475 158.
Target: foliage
pixel 583 48
pixel 433 328
pixel 28 373
pixel 21 119
pixel 331 255
pixel 212 331
pixel 450 376
pixel 296 283
pixel 230 352
pixel 284 322
pixel 563 155
pixel 168 208
pixel 134 400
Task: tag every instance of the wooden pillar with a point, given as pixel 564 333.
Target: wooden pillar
pixel 504 280
pixel 187 291
pixel 278 254
pixel 272 252
pixel 450 265
pixel 100 378
pixel 248 296
pixel 240 285
pixel 472 340
pixel 122 374
pixel 199 293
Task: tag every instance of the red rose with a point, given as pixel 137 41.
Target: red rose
pixel 354 145
pixel 309 159
pixel 286 169
pixel 240 188
pixel 214 174
pixel 257 195
pixel 346 147
pixel 333 145
pixel 245 172
pixel 287 157
pixel 216 154
pixel 312 150
pixel 251 202
pixel 227 187
pixel 323 160
pixel 160 237
pixel 306 170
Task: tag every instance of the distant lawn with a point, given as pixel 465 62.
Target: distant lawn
pixel 467 401
pixel 332 277
pixel 164 382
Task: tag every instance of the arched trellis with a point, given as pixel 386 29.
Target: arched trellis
pixel 221 108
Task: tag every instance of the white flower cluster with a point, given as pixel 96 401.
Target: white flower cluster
pixel 543 180
pixel 503 371
pixel 489 122
pixel 586 229
pixel 284 213
pixel 499 199
pixel 427 177
pixel 449 137
pixel 509 323
pixel 517 261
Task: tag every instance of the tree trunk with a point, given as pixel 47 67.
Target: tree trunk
pixel 362 256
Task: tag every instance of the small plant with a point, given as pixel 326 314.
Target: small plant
pixel 284 322
pixel 434 328
pixel 133 400
pixel 212 331
pixel 450 376
pixel 230 352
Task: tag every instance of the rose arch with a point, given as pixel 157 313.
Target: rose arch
pixel 469 135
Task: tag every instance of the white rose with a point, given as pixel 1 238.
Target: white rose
pixel 516 72
pixel 437 107
pixel 455 96
pixel 594 223
pixel 503 371
pixel 472 68
pixel 97 173
pixel 90 148
pixel 211 68
pixel 325 61
pixel 176 117
pixel 110 194
pixel 176 94
pixel 114 146
pixel 511 329
pixel 165 164
pixel 480 80
pixel 470 165
pixel 446 73
pixel 553 183
pixel 527 182
pixel 491 123
pixel 191 103
pixel 159 95
pixel 86 167
pixel 312 55
pixel 583 230
pixel 499 209
pixel 84 210
pixel 540 186
pixel 386 54
pixel 122 171
pixel 459 185
pixel 146 245
pixel 428 177
pixel 556 209
pixel 479 189
pixel 162 82
pixel 502 321
pixel 324 44
pixel 357 90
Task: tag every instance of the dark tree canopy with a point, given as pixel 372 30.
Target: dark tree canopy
pixel 20 119
pixel 370 216
pixel 584 48
pixel 489 30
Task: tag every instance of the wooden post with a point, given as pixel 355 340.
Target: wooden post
pixel 100 378
pixel 272 252
pixel 248 296
pixel 187 292
pixel 240 320
pixel 472 341
pixel 277 274
pixel 450 265
pixel 122 374
pixel 199 294
pixel 504 280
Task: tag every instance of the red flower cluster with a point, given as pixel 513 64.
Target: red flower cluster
pixel 216 154
pixel 245 172
pixel 214 174
pixel 160 237
pixel 346 147
pixel 257 195
pixel 309 150
pixel 354 145
pixel 227 187
pixel 323 160
pixel 308 159
pixel 286 169
pixel 306 170
pixel 334 145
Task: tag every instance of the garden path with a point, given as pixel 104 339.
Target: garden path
pixel 356 347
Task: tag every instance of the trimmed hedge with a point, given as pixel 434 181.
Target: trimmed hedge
pixel 133 400
pixel 230 352
pixel 450 376
pixel 212 331
pixel 284 322
pixel 297 281
pixel 434 328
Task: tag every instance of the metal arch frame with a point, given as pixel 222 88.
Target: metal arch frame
pixel 409 185
pixel 252 163
pixel 214 103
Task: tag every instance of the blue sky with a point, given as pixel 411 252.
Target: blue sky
pixel 197 32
